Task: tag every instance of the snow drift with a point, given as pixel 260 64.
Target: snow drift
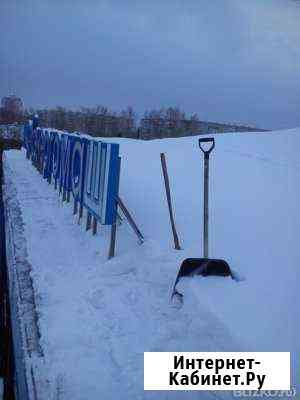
pixel 97 317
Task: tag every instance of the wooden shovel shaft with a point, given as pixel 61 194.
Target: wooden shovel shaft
pixel 168 194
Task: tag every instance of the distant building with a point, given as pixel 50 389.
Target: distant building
pixel 12 109
pixel 12 104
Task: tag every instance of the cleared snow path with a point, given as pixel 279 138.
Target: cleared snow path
pixel 97 317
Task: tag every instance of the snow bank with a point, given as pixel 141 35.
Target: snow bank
pixel 97 317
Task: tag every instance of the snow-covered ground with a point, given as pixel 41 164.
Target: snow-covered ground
pixel 97 317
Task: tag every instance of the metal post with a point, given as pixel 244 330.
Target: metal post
pixel 113 233
pixel 94 226
pixel 88 221
pixel 205 206
pixel 206 151
pixel 75 207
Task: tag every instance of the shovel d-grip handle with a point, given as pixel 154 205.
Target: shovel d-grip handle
pixel 207 140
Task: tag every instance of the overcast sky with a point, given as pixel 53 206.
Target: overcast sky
pixel 227 60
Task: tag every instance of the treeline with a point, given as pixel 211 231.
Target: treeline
pixel 95 121
pixel 168 122
pixel 100 121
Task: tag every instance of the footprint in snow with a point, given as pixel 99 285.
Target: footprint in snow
pixel 96 299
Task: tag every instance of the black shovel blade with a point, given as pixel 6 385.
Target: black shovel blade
pixel 204 267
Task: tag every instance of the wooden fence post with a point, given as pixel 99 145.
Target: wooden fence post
pixel 168 194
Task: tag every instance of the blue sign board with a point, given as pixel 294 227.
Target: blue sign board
pixel 85 167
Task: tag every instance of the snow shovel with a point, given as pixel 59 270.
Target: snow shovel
pixel 203 266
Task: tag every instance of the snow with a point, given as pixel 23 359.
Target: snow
pixel 97 317
pixel 10 131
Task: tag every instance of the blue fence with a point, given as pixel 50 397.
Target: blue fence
pixel 85 167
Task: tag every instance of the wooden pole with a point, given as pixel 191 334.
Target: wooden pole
pixel 130 220
pixel 168 194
